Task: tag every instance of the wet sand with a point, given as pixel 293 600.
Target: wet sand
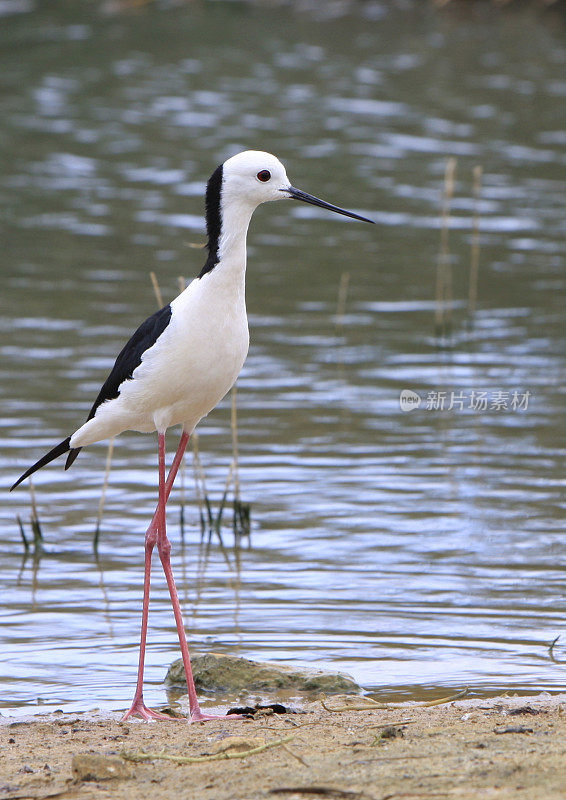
pixel 507 747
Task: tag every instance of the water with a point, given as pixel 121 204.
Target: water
pixel 418 551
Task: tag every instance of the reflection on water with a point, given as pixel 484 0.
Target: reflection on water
pixel 414 550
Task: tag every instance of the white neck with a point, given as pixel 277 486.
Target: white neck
pixel 235 217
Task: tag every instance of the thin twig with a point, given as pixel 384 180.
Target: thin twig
pixel 295 755
pixel 130 755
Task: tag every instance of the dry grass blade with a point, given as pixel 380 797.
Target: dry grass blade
pixel 130 755
pixel 367 704
pixel 372 705
pixel 442 700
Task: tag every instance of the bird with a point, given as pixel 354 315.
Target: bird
pixel 181 362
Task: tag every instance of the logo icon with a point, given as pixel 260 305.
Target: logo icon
pixel 409 400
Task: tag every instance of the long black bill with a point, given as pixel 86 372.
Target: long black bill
pixel 296 194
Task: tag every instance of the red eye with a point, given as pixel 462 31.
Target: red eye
pixel 264 175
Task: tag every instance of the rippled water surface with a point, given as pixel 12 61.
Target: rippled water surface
pixel 418 551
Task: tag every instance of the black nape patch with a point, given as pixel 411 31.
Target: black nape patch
pixel 213 220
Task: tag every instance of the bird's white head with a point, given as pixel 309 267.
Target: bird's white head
pixel 237 187
pixel 253 177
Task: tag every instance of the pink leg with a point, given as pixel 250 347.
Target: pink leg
pixel 138 707
pixel 164 549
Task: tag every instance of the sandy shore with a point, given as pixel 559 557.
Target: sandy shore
pixel 498 748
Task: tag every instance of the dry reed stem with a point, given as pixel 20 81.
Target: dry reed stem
pixel 130 755
pixel 475 249
pixel 342 297
pixel 443 313
pixel 203 501
pixel 102 501
pixel 23 533
pixel 234 429
pixel 35 524
pixel 224 496
pixel 200 487
pixel 156 289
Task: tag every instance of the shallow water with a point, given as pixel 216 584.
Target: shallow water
pixel 418 551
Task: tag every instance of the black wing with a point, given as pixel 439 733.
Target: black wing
pixel 128 359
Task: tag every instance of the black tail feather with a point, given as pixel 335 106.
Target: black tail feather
pixel 73 453
pixel 58 450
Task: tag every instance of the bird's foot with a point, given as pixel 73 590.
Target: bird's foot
pixel 139 709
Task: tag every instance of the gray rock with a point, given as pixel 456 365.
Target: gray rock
pixel 216 672
pixel 99 767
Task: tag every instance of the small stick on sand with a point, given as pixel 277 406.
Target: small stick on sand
pixel 130 755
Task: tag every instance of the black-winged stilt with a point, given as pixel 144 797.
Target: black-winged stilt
pixel 183 359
